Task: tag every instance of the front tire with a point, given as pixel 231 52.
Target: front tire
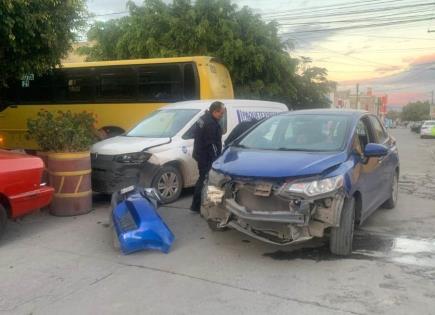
pixel 392 200
pixel 341 239
pixel 3 220
pixel 168 183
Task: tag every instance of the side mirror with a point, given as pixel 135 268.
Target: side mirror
pixel 375 150
pixel 153 195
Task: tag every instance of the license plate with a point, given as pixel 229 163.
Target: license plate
pixel 263 189
pixel 125 190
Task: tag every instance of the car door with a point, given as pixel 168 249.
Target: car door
pixel 387 163
pixel 369 170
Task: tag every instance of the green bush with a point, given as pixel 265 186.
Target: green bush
pixel 63 131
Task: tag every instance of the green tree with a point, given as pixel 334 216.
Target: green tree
pixel 36 34
pixel 257 59
pixel 416 111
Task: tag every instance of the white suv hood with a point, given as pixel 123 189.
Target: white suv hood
pixel 123 144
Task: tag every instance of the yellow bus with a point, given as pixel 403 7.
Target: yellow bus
pixel 120 93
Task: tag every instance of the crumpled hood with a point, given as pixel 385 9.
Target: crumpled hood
pixel 239 162
pixel 122 145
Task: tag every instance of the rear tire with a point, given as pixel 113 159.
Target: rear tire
pixel 392 200
pixel 168 183
pixel 3 220
pixel 341 239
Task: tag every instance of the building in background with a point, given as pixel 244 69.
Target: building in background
pixel 347 99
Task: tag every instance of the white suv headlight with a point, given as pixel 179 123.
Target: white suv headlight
pixel 317 187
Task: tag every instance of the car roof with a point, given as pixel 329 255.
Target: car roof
pixel 329 111
pixel 201 104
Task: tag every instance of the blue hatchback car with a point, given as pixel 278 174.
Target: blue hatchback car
pixel 304 174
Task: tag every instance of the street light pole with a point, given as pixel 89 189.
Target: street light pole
pixel 357 96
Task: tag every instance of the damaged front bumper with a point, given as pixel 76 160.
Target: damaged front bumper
pixel 302 219
pixel 109 176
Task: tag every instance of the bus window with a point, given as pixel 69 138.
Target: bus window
pixel 190 83
pixel 116 84
pixel 72 85
pixel 9 94
pixel 162 83
pixel 36 91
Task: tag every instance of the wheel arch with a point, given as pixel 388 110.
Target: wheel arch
pixel 179 165
pixel 4 201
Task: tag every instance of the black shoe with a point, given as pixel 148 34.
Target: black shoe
pixel 193 210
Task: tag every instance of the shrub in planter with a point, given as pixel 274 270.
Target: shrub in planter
pixel 66 138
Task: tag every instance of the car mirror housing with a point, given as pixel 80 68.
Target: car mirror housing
pixel 375 150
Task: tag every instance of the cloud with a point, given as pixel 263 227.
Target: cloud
pixel 414 82
pixel 383 70
pixel 426 59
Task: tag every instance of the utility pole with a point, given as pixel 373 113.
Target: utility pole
pixel 357 96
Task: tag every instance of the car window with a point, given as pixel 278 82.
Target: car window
pixel 190 134
pixel 362 136
pixel 223 122
pixel 378 130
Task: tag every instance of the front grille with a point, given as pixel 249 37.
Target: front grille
pixel 245 196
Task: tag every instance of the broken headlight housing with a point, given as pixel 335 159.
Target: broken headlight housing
pixel 215 189
pixel 217 179
pixel 133 158
pixel 316 187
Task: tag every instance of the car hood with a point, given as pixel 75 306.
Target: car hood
pixel 123 144
pixel 238 162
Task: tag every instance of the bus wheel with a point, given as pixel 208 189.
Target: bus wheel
pixel 168 183
pixel 110 132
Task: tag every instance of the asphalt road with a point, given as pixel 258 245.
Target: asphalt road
pixel 51 265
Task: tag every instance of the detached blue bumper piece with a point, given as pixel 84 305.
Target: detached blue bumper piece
pixel 137 224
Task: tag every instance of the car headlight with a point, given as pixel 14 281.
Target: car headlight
pixel 317 187
pixel 133 158
pixel 217 179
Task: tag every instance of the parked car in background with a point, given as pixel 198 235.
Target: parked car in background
pixel 416 126
pixel 427 130
pixel 304 174
pixel 158 151
pixel 21 189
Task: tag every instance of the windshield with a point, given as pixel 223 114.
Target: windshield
pixel 163 123
pixel 299 133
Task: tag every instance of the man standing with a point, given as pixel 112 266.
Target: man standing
pixel 207 147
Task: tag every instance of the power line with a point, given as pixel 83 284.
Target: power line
pixel 357 12
pixel 399 16
pixel 357 26
pixel 352 57
pixel 328 8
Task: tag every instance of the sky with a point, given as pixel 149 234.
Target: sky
pixel 383 44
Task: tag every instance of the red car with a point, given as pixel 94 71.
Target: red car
pixel 21 190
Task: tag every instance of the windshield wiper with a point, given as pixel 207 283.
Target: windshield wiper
pixel 239 146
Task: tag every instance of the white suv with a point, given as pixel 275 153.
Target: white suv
pixel 158 151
